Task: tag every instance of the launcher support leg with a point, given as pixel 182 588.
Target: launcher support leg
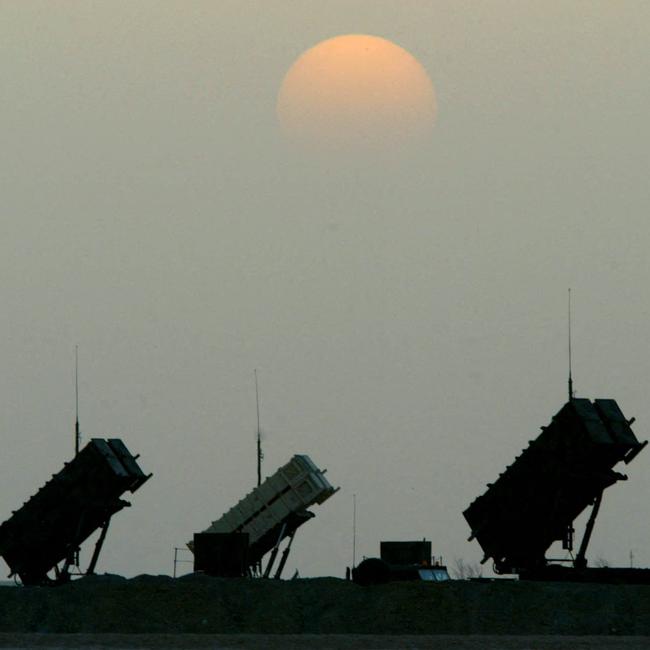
pixel 63 574
pixel 98 547
pixel 274 552
pixel 285 555
pixel 581 560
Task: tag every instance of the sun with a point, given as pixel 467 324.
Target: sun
pixel 356 90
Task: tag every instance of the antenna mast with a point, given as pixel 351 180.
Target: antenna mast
pixel 571 394
pixel 260 455
pixel 77 432
pixel 354 531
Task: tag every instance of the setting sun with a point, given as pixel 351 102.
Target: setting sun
pixel 356 90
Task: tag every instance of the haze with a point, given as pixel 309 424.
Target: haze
pixel 407 317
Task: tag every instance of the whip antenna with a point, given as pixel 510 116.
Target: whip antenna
pixel 77 431
pixel 571 393
pixel 260 455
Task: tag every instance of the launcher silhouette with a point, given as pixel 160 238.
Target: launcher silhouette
pixel 535 501
pixel 50 527
pixel 235 544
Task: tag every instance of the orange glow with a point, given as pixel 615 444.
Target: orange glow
pixel 354 90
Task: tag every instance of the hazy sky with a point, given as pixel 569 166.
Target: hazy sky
pixel 407 317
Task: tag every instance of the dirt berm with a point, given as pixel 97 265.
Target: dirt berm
pixel 199 604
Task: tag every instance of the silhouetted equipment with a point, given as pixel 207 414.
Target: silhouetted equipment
pixel 221 554
pixel 405 552
pixel 400 561
pixel 536 500
pixel 71 506
pixel 269 514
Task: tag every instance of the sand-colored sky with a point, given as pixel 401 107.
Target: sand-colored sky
pixel 406 314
